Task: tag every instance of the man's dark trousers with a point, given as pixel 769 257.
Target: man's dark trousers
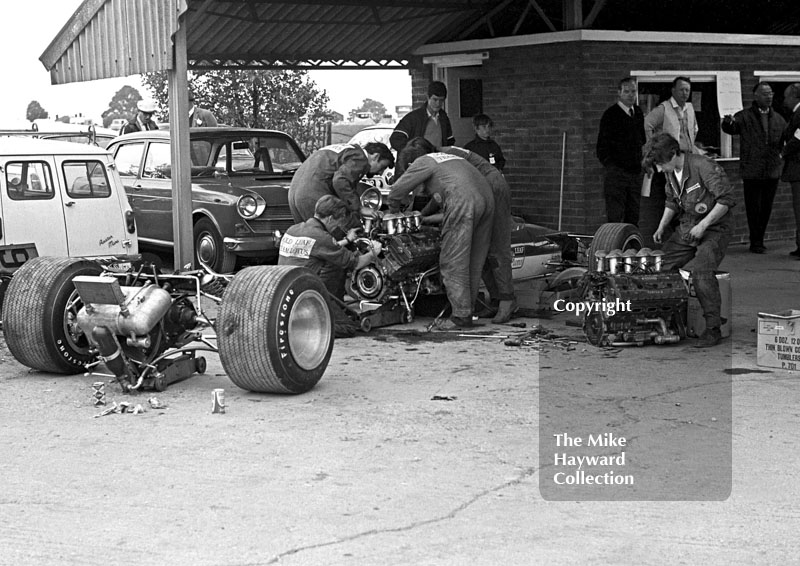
pixel 758 197
pixel 622 189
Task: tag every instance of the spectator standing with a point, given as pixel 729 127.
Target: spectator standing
pixel 675 116
pixel 429 121
pixel 700 196
pixel 143 120
pixel 619 149
pixel 483 144
pixel 760 129
pixel 791 155
pixel 200 117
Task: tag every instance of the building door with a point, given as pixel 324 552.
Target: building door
pixel 464 100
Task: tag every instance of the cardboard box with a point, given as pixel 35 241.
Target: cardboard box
pixel 779 340
pixel 696 324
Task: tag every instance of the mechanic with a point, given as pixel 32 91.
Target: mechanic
pixel 310 244
pixel 468 204
pixel 143 120
pixel 497 269
pixel 699 194
pixel 336 170
pixel 429 121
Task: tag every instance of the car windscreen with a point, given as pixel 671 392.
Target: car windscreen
pixel 259 154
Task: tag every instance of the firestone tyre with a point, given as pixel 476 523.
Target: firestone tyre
pixel 275 329
pixel 614 236
pixel 209 249
pixel 40 315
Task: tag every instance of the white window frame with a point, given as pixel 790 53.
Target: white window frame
pixel 725 140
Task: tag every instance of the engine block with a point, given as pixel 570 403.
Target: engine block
pixel 657 304
pixel 406 254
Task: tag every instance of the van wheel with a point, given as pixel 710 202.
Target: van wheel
pixel 40 315
pixel 275 329
pixel 209 249
pixel 614 236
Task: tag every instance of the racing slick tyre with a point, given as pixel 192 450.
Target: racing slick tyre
pixel 209 249
pixel 275 329
pixel 40 315
pixel 614 236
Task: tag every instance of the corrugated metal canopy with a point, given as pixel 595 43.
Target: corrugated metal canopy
pixel 109 38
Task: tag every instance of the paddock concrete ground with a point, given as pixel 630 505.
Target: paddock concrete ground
pixel 422 449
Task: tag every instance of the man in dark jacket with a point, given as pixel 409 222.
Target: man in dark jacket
pixel 429 121
pixel 700 195
pixel 760 129
pixel 336 170
pixel 791 155
pixel 619 149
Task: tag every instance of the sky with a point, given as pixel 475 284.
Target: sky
pixel 28 27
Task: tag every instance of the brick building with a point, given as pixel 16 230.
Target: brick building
pixel 547 92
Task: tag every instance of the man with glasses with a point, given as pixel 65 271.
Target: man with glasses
pixel 143 120
pixel 699 194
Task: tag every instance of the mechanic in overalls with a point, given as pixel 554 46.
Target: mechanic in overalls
pixel 497 269
pixel 699 194
pixel 311 244
pixel 468 210
pixel 336 170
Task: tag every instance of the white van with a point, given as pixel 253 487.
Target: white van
pixel 60 199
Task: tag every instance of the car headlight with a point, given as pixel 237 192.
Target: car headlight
pixel 250 206
pixel 372 198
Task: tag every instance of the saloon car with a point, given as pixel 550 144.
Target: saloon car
pixel 240 182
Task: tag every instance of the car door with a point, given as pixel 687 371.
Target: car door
pixel 31 208
pixel 154 191
pixel 95 219
pixel 149 196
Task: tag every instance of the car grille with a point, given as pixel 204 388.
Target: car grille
pixel 270 225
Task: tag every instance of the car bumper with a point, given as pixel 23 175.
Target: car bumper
pixel 252 246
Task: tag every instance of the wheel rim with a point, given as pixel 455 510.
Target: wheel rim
pixel 309 330
pixel 595 329
pixel 76 337
pixel 207 251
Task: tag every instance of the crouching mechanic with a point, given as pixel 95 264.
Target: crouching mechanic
pixel 497 270
pixel 336 170
pixel 468 209
pixel 311 245
pixel 699 194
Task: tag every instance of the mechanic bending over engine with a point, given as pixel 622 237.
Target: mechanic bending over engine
pixel 336 170
pixel 311 245
pixel 497 269
pixel 468 204
pixel 699 194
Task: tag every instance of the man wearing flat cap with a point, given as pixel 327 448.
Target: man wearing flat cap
pixel 143 120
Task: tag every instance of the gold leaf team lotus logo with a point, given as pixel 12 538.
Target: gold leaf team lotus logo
pixel 701 208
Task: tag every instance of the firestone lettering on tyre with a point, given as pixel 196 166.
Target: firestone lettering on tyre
pixel 67 354
pixel 283 343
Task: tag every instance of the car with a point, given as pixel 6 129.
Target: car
pixel 240 185
pixel 116 124
pixel 60 199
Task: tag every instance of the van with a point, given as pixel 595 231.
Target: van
pixel 60 199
